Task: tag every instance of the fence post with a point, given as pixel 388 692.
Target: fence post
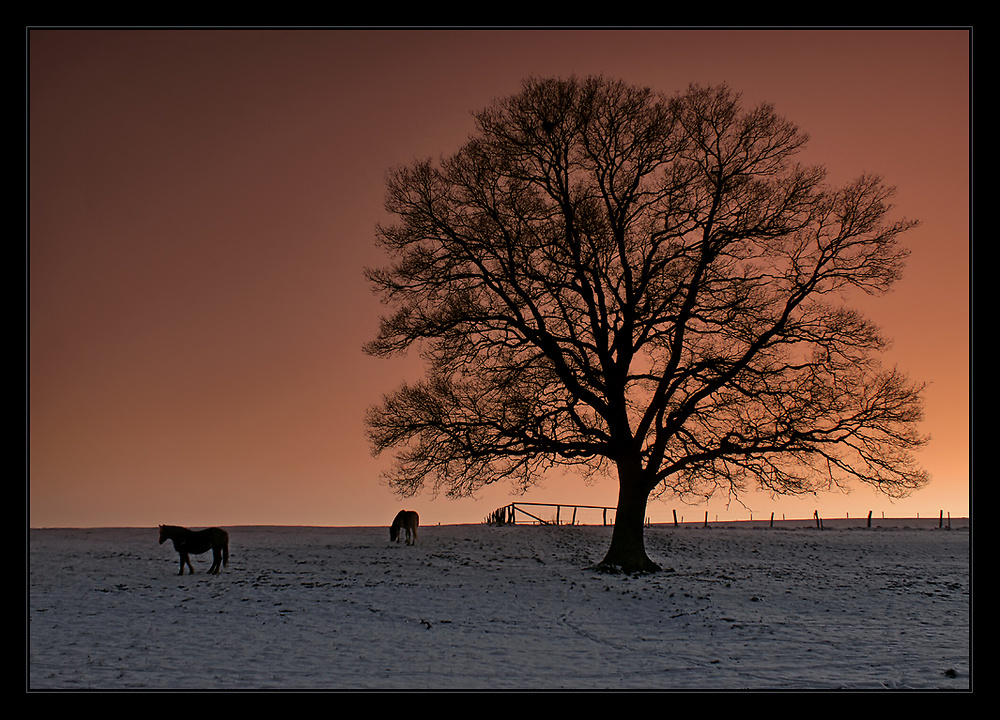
pixel 869 518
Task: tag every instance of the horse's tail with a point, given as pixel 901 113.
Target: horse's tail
pixel 225 550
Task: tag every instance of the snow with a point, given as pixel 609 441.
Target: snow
pixel 479 607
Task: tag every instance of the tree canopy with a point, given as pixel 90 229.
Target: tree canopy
pixel 618 280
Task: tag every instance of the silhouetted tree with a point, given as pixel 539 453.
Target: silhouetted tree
pixel 612 279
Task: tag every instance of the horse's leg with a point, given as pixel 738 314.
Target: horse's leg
pixel 216 561
pixel 181 556
pixel 185 558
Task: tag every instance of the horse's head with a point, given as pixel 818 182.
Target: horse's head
pixel 163 534
pixel 393 533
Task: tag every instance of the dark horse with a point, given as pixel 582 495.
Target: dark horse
pixel 198 542
pixel 406 520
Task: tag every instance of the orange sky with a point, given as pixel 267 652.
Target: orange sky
pixel 202 205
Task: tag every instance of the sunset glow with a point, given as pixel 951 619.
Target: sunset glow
pixel 202 205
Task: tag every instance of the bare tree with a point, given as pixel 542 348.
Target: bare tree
pixel 612 279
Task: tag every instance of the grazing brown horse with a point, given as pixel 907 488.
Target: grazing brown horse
pixel 406 520
pixel 198 542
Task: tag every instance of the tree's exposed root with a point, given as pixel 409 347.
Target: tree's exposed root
pixel 647 567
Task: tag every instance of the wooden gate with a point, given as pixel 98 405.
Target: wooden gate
pixel 510 514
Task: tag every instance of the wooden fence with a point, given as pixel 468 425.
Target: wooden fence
pixel 565 514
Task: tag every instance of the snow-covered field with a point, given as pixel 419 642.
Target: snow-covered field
pixel 484 607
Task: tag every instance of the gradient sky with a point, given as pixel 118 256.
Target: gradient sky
pixel 202 205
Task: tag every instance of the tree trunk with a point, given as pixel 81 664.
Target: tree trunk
pixel 627 552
